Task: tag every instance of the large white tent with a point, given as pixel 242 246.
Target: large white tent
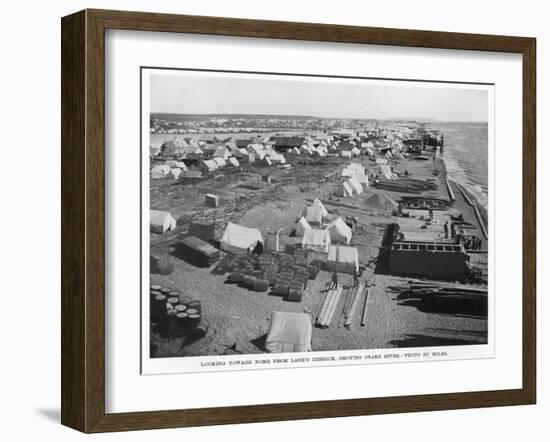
pixel 314 215
pixel 289 332
pixel 318 240
pixel 160 171
pixel 343 258
pixel 161 221
pixel 175 173
pixel 356 187
pixel 301 226
pixel 339 231
pixel 317 203
pixel 238 239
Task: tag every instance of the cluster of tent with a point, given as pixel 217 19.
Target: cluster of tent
pixel 386 172
pixel 314 236
pixel 170 169
pixel 357 180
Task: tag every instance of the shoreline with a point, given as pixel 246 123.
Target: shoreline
pixel 482 209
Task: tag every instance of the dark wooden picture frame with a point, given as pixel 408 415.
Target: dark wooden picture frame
pixel 83 219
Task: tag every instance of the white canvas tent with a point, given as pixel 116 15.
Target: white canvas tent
pixel 355 185
pixel 346 190
pixel 339 231
pixel 277 158
pixel 221 152
pixel 355 152
pixel 381 202
pixel 343 258
pixel 233 161
pixel 181 165
pixel 210 165
pixel 289 332
pixel 318 240
pixel 314 215
pixel 317 203
pixel 301 226
pixel 160 221
pixel 346 154
pixel 238 239
pixel 220 162
pixel 386 172
pixel 174 173
pixel 160 171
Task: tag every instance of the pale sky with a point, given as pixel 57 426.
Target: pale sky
pixel 206 93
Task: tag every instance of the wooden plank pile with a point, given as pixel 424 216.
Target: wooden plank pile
pixel 427 290
pixel 406 185
pixel 199 251
pixel 328 307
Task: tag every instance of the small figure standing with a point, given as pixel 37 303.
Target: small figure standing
pixel 453 230
pixel 334 280
pixel 446 229
pixel 355 277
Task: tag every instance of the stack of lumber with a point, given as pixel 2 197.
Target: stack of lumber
pixel 328 307
pixel 427 290
pixel 406 185
pixel 199 251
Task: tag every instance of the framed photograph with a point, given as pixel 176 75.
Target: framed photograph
pixel 266 221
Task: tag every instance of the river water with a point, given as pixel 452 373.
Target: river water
pixel 466 156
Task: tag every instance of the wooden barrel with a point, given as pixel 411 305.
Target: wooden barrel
pixel 236 276
pixel 312 271
pixel 281 288
pixel 155 293
pixel 248 281
pixel 261 285
pixel 303 279
pixel 185 300
pixel 192 311
pixel 201 330
pixel 180 308
pixel 294 295
pixel 170 325
pixel 182 324
pixel 296 285
pixel 174 300
pixel 155 287
pixel 270 277
pixel 165 290
pixel 175 293
pixel 196 304
pixel 157 308
pixel 193 320
pixel 165 268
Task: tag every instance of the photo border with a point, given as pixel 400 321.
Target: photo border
pixel 246 356
pixel 83 219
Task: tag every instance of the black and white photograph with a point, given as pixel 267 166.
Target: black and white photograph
pixel 314 215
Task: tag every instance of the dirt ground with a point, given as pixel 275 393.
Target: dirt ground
pixel 239 319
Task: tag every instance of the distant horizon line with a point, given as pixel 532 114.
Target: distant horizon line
pixel 289 116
